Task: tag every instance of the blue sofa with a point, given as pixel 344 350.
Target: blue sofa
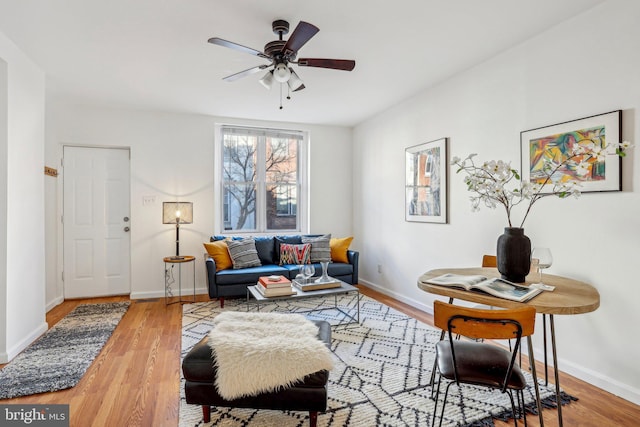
pixel 234 282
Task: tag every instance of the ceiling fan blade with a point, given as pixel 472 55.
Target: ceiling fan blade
pixel 236 46
pixel 335 64
pixel 302 34
pixel 300 88
pixel 236 76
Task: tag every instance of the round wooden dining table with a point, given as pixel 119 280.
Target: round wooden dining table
pixel 569 297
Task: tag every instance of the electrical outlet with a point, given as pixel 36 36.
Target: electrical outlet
pixel 148 200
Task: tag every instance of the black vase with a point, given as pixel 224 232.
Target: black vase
pixel 514 254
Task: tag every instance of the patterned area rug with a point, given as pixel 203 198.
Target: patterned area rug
pixel 59 358
pixel 381 375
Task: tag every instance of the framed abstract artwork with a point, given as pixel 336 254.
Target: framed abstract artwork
pixel 554 143
pixel 426 182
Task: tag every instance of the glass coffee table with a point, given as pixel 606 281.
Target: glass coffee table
pixel 344 288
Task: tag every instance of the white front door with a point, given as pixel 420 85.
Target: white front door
pixel 96 222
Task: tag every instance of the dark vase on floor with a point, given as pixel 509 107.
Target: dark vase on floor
pixel 514 254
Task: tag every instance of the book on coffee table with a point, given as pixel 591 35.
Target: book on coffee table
pixel 312 285
pixel 274 282
pixel 275 292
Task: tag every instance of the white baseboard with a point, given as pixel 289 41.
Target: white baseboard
pixel 160 294
pixel 625 391
pixel 410 301
pixel 24 343
pixel 55 302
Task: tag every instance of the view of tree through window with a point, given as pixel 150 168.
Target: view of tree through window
pixel 260 179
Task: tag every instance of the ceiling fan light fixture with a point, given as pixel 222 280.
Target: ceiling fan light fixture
pixel 294 81
pixel 267 80
pixel 281 73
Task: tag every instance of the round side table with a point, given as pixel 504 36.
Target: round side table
pixel 169 280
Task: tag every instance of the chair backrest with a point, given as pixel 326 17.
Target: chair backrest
pixel 489 261
pixel 479 323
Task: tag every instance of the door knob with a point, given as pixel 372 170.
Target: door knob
pixel 126 229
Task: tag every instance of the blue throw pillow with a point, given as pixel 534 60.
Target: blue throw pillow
pixel 265 245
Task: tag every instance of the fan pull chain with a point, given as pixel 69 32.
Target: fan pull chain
pixel 281 96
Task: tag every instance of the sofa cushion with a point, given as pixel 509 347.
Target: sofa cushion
pixel 221 237
pixel 295 254
pixel 266 247
pixel 220 253
pixel 320 248
pixel 339 248
pixel 249 275
pixel 243 253
pixel 338 269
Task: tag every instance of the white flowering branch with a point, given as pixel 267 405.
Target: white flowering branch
pixel 490 180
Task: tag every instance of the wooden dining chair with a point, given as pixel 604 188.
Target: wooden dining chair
pixel 466 361
pixel 487 261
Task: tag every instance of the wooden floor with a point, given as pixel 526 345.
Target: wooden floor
pixel 134 380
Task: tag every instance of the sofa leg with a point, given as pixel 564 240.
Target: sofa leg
pixel 313 418
pixel 206 413
pixel 221 299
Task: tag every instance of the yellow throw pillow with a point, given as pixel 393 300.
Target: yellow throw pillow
pixel 220 253
pixel 339 249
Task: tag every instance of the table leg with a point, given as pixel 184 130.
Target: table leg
pixel 194 280
pixel 555 368
pixel 180 283
pixel 166 285
pixel 544 337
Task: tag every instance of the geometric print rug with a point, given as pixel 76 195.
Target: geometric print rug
pixel 382 369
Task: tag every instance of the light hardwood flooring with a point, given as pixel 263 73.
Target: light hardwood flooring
pixel 134 381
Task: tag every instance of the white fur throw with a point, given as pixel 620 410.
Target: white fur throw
pixel 264 352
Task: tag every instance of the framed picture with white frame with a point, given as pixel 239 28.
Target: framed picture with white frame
pixel 426 182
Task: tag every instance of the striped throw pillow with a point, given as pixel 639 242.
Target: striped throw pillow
pixel 320 249
pixel 243 253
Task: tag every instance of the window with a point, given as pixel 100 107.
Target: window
pixel 261 178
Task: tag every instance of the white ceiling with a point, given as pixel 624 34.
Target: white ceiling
pixel 154 55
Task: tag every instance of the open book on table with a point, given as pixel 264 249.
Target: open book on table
pixel 494 286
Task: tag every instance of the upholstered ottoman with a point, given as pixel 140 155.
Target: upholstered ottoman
pixel 309 394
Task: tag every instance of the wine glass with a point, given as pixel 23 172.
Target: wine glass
pixel 300 274
pixel 544 257
pixel 308 270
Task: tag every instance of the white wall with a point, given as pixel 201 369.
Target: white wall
pixel 173 155
pixel 22 290
pixel 588 65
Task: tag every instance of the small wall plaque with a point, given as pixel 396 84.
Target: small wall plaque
pixel 50 171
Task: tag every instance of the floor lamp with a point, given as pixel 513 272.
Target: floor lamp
pixel 177 213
